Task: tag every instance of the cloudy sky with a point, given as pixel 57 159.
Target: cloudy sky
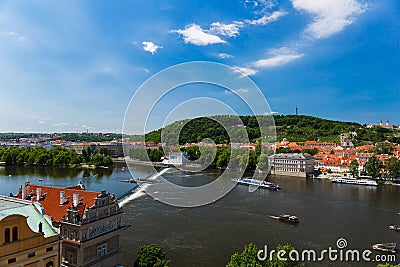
pixel 74 65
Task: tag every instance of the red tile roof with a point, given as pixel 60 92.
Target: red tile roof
pixel 51 202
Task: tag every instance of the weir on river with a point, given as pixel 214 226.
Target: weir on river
pixel 141 189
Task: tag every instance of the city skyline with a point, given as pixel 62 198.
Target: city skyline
pixel 74 66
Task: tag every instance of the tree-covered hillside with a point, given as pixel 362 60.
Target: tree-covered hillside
pixel 297 128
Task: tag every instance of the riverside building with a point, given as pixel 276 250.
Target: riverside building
pixel 90 223
pixel 292 164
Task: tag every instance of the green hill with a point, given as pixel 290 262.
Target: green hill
pixel 297 128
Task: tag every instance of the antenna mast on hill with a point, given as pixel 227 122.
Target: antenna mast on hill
pixel 297 110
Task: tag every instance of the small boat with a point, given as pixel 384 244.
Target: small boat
pixel 258 183
pixel 40 179
pixel 385 247
pixel 395 227
pixel 346 180
pixel 288 218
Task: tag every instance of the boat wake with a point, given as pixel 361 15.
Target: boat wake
pixel 274 217
pixel 140 191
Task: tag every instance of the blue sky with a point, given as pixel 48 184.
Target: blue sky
pixel 74 65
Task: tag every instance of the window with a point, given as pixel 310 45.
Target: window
pixel 12 260
pixel 101 251
pixel 32 254
pixel 71 235
pixel 49 249
pixel 7 235
pixel 15 233
pixel 50 264
pixel 76 235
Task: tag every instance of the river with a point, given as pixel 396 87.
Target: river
pixel 208 235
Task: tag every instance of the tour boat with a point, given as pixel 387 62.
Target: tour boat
pixel 346 180
pixel 288 218
pixel 258 183
pixel 395 227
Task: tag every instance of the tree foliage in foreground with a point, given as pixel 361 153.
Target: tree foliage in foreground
pixel 151 256
pixel 249 258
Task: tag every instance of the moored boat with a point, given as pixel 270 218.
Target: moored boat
pixel 258 183
pixel 346 180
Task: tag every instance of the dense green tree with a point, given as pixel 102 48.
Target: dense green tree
pixel 392 167
pixel 382 148
pixel 354 168
pixel 155 154
pixel 247 258
pixel 373 167
pixel 87 154
pixel 56 156
pixel 151 256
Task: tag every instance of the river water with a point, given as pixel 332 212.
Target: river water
pixel 208 235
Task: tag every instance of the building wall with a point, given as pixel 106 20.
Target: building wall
pixel 30 249
pixel 94 241
pixel 292 164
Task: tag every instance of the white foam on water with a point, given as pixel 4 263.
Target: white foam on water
pixel 140 191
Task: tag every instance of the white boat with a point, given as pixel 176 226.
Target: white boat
pixel 260 184
pixel 346 180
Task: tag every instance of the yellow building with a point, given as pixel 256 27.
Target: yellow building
pixel 27 237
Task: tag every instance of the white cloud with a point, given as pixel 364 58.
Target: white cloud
pixel 276 60
pixel 268 18
pixel 238 91
pixel 150 47
pixel 14 35
pixel 223 55
pixel 61 124
pixel 330 16
pixel 230 30
pixel 277 57
pixel 194 34
pixel 245 71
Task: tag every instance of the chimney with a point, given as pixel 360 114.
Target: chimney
pixel 75 199
pixel 25 192
pixel 62 198
pixel 40 227
pixel 38 194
